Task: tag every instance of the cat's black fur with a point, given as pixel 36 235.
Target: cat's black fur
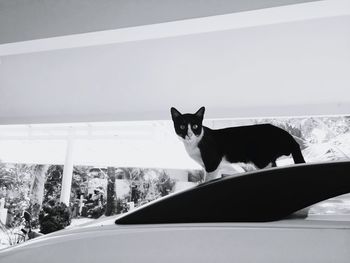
pixel 258 144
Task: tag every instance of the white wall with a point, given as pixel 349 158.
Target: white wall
pixel 298 68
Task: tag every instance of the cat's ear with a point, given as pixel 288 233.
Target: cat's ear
pixel 175 113
pixel 200 112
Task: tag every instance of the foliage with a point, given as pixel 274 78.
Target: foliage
pixel 13 234
pixel 146 184
pixel 131 174
pixel 34 210
pixel 54 216
pixel 337 125
pixel 164 183
pixel 121 206
pixel 15 180
pixel 111 202
pixel 80 180
pixel 97 211
pixel 311 130
pixel 53 183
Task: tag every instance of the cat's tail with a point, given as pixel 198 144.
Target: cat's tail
pixel 296 153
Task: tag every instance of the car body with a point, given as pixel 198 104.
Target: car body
pixel 185 227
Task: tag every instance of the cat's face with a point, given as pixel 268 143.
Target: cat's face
pixel 188 126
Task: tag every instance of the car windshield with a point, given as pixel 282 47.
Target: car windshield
pixel 108 168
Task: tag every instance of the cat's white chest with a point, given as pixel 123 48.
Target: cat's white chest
pixel 191 145
pixel 194 152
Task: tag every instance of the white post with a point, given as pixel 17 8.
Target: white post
pixel 81 204
pixel 67 173
pixel 3 211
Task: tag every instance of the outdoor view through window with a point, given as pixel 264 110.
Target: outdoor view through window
pixel 70 174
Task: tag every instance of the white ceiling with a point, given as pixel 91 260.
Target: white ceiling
pixel 32 19
pixel 287 67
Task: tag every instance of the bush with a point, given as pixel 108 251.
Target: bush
pixel 122 206
pixel 54 216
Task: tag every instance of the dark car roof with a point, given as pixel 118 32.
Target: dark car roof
pixel 260 196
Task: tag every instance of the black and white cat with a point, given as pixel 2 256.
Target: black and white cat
pixel 226 151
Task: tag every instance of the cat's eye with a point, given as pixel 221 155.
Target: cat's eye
pixel 195 126
pixel 182 127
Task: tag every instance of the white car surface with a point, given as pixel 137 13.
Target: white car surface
pixel 293 239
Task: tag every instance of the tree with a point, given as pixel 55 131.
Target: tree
pixel 164 183
pixel 37 190
pixel 15 181
pixel 111 197
pixel 53 183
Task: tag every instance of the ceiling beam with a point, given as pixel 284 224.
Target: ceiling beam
pixel 262 17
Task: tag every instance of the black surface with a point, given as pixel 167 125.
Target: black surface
pixel 261 196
